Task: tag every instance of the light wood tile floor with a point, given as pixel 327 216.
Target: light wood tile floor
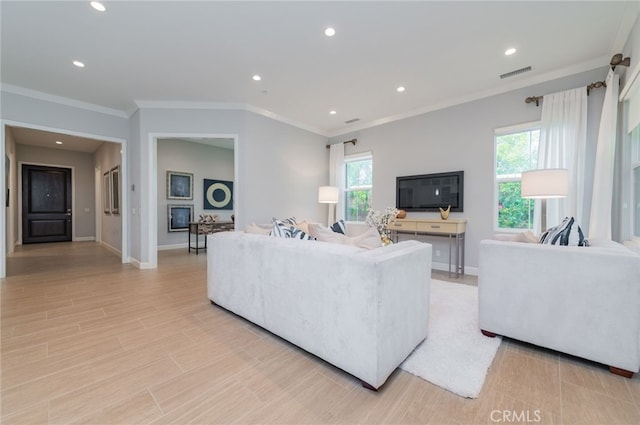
pixel 87 340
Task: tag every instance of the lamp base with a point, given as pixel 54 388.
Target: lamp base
pixel 543 216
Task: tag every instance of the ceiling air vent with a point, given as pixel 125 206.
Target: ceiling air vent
pixel 516 72
pixel 351 121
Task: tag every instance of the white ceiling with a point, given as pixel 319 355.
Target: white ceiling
pixel 205 52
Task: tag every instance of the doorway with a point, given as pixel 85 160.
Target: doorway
pixel 46 204
pixel 14 136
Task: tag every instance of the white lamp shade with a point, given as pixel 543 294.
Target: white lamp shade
pixel 328 195
pixel 545 183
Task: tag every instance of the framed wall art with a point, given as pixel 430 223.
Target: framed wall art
pixel 218 195
pixel 179 185
pixel 179 217
pixel 106 192
pixel 115 189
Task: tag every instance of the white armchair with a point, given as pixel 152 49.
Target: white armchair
pixel 583 301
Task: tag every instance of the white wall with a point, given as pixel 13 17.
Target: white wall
pixel 459 138
pixel 83 182
pixel 205 162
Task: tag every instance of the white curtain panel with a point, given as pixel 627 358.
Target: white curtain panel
pixel 601 201
pixel 336 178
pixel 563 140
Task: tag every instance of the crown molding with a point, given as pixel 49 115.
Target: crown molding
pixel 152 104
pixel 8 88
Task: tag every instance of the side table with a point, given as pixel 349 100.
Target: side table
pixel 197 229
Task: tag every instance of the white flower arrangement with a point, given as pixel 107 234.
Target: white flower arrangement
pixel 380 220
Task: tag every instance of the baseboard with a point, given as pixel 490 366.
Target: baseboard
pixel 134 262
pixel 633 245
pixel 473 271
pixel 176 246
pixel 111 248
pixel 85 239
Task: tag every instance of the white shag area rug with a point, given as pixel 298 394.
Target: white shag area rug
pixel 455 355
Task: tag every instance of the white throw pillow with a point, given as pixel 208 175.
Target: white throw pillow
pixel 258 229
pixel 527 237
pixel 368 240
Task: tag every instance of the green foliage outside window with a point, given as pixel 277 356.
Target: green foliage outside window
pixel 515 153
pixel 514 212
pixel 357 204
pixel 358 189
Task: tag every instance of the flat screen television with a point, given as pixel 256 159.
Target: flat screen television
pixel 429 192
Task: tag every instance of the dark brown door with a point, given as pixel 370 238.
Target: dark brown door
pixel 46 204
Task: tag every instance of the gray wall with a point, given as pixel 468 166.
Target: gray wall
pixel 83 181
pixel 11 220
pixel 278 167
pixel 282 168
pixel 107 157
pixel 205 162
pixel 459 138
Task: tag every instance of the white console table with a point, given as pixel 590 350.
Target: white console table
pixel 453 228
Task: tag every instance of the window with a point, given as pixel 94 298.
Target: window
pixel 358 186
pixel 516 151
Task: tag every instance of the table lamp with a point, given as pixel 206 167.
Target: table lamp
pixel 328 195
pixel 544 184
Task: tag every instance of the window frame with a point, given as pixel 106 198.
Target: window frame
pixel 345 190
pixel 498 132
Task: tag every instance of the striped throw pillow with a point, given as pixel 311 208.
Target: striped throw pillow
pixel 566 233
pixel 339 227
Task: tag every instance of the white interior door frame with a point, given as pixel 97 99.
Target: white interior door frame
pixel 123 177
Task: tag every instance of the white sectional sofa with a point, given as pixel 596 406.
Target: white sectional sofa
pixel 583 301
pixel 363 311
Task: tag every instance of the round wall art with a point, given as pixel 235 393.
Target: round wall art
pixel 218 195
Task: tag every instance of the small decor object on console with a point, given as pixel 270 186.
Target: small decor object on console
pixel 445 213
pixel 380 220
pixel 401 214
pixel 208 218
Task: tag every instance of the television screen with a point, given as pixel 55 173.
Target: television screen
pixel 429 192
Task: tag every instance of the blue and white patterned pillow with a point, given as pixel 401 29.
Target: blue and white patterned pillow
pixel 339 227
pixel 291 221
pixel 566 233
pixel 284 229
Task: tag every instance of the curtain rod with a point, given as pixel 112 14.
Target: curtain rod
pixel 344 143
pixel 538 99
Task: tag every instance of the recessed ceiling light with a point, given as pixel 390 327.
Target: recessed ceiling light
pixel 78 64
pixel 510 51
pixel 98 6
pixel 329 32
pixel 256 77
pixel 400 89
pixel 332 112
pixel 58 142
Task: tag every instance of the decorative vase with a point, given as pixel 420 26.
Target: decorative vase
pixel 386 240
pixel 445 213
